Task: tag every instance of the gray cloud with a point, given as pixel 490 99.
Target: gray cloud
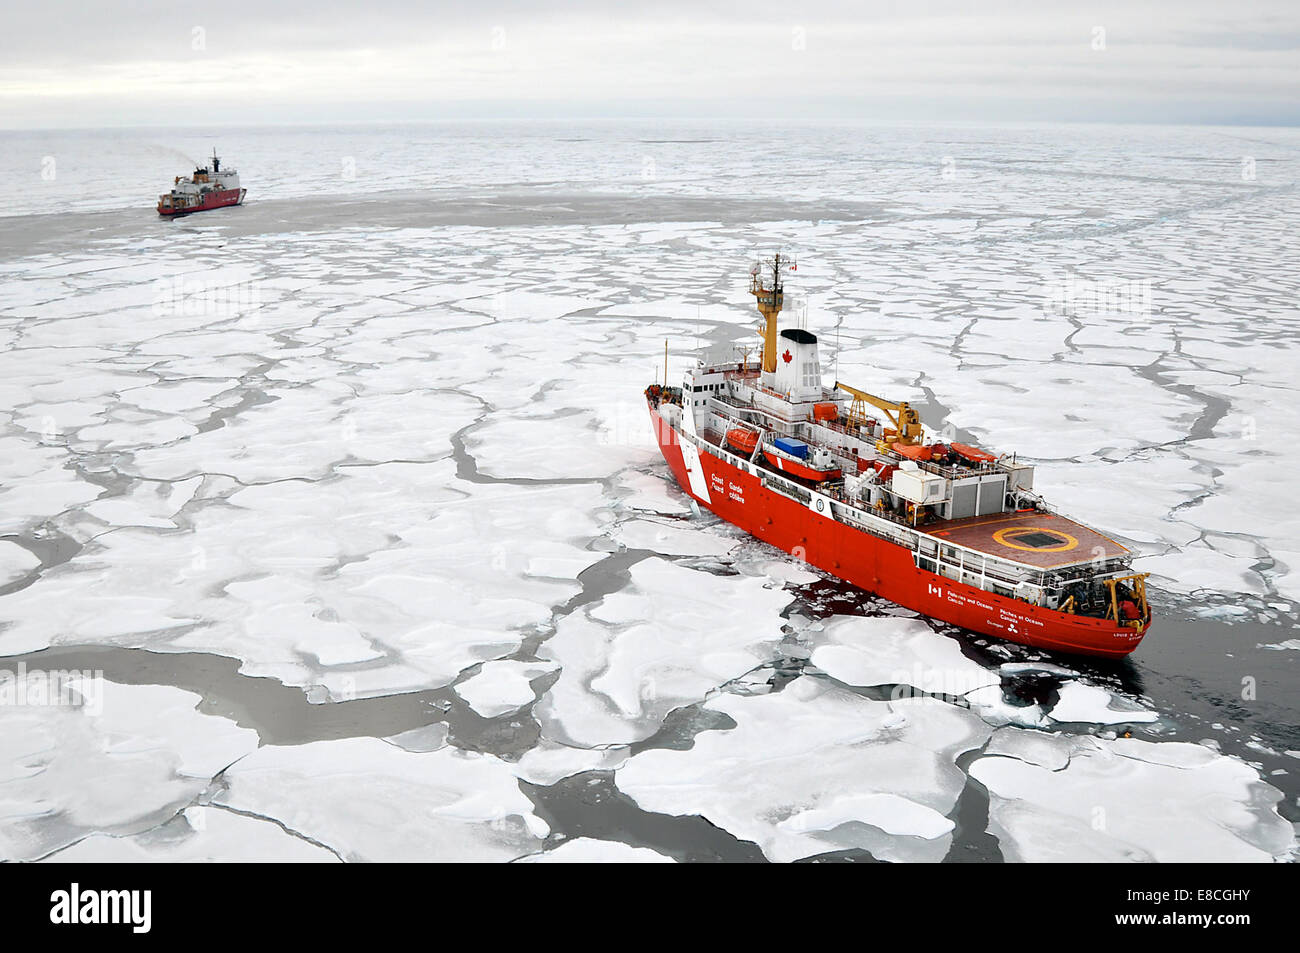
pixel 68 62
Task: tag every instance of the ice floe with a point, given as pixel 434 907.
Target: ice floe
pixel 667 640
pixel 672 540
pixel 1283 645
pixel 148 504
pixel 653 493
pixel 199 835
pixel 1039 748
pixel 893 651
pixel 815 768
pixel 1129 800
pixel 501 687
pixel 108 758
pixel 15 562
pixel 548 762
pixel 377 580
pixel 367 800
pixel 587 850
pixel 1079 702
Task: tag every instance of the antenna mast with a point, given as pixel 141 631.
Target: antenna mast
pixel 839 319
pixel 767 285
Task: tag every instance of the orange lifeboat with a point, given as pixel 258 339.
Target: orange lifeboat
pixel 742 440
pixel 973 454
pixel 913 451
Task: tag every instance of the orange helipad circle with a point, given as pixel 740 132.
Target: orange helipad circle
pixel 1006 537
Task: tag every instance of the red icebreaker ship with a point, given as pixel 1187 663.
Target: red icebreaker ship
pixel 203 191
pixel 849 482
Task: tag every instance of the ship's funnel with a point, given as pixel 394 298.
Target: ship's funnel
pixel 798 372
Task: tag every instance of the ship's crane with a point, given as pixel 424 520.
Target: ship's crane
pixel 903 416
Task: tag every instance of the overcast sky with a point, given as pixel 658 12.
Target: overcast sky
pixel 69 63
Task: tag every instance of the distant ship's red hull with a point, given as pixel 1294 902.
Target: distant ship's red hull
pixel 882 567
pixel 223 198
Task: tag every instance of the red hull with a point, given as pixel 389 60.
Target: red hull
pixel 800 470
pixel 211 200
pixel 881 567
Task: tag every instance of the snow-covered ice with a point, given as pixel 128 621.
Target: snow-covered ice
pixel 501 687
pixel 893 651
pixel 1131 800
pixel 367 800
pixel 815 768
pixel 672 540
pixel 670 638
pixel 122 760
pixel 1088 703
pixel 377 580
pixel 586 850
pixel 200 835
pixel 15 562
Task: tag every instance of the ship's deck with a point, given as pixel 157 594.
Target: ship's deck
pixel 1041 540
pixel 1038 540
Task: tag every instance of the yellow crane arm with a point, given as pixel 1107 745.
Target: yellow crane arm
pixel 904 418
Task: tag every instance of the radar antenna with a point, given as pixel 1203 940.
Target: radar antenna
pixel 767 285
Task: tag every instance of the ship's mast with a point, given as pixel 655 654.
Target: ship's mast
pixel 767 286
